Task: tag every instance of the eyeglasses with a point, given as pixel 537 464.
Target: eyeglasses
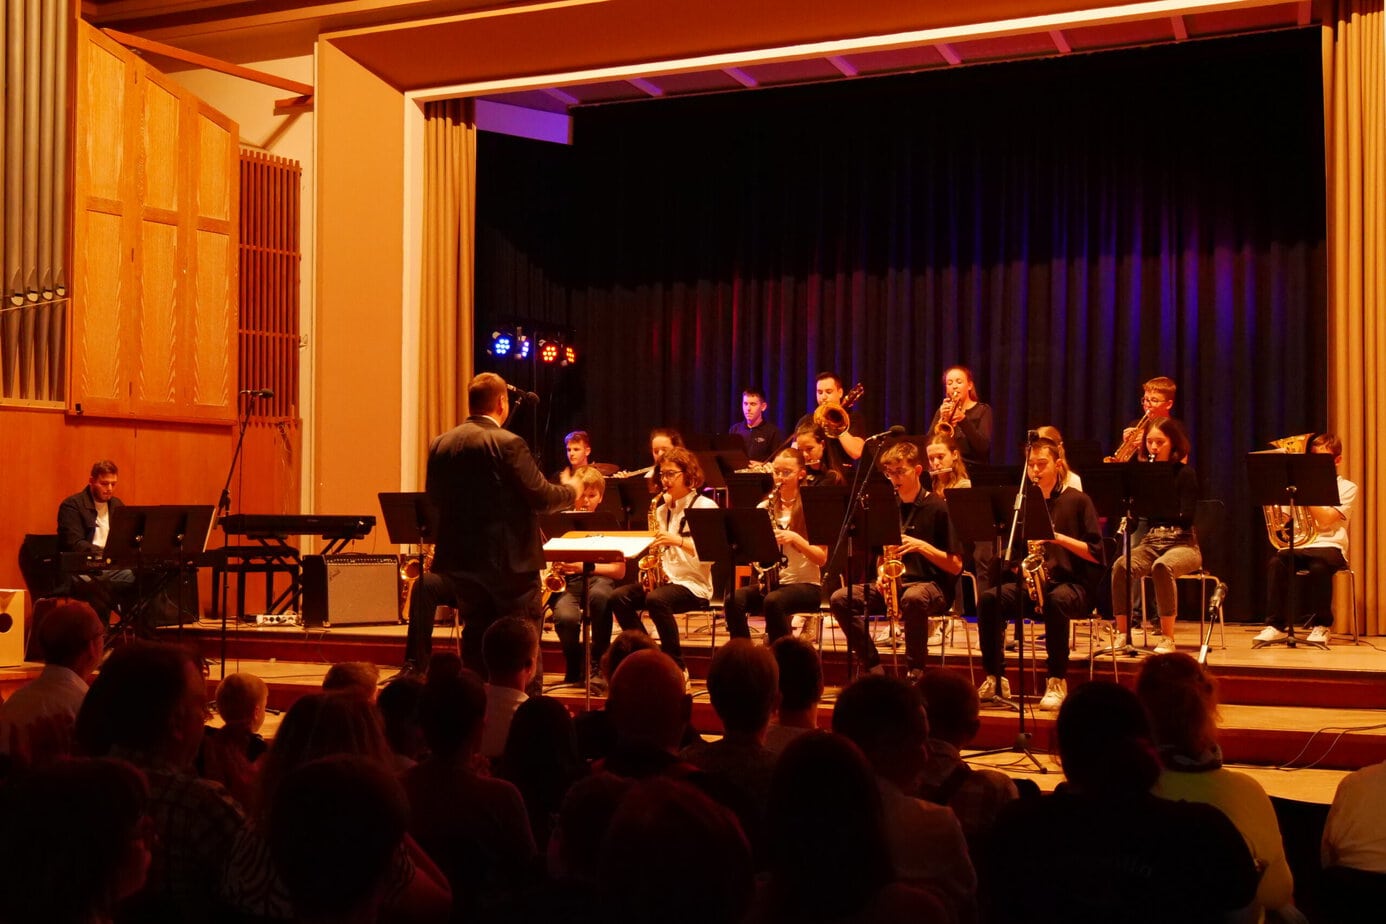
pixel 897 472
pixel 666 474
pixel 1152 401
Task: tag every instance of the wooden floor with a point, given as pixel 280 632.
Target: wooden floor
pixel 1298 718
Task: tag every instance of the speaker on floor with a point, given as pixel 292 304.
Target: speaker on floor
pixel 12 626
pixel 355 590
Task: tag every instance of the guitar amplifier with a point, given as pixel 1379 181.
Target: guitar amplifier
pixel 12 606
pixel 350 590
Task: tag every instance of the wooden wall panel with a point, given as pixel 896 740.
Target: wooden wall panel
pixel 159 312
pixel 99 371
pixel 162 114
pixel 214 323
pixel 215 190
pixel 104 96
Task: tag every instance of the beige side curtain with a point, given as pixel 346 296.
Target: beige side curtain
pixel 448 278
pixel 34 216
pixel 1354 86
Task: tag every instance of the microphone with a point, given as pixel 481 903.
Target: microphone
pixel 896 430
pixel 518 396
pixel 1031 437
pixel 1216 597
pixel 258 392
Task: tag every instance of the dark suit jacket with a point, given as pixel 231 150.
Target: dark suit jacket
pixel 489 492
pixel 77 521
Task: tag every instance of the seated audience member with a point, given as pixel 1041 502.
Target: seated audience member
pixel 228 754
pixel 648 710
pixel 510 649
pixel 664 830
pixel 801 689
pixel 808 821
pixel 147 706
pixel 1353 850
pixel 1091 869
pixel 74 842
pixel 398 704
pixel 883 716
pixel 541 758
pixel 743 683
pixel 596 736
pixel 359 678
pixel 473 825
pixel 323 725
pixel 974 795
pixel 39 715
pixel 570 893
pixel 1180 699
pixel 334 834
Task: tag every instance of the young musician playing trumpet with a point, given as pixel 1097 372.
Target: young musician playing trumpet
pixel 1073 565
pixel 689 584
pixel 962 413
pixel 1157 401
pixel 1325 554
pixel 1169 547
pixel 601 584
pixel 799 587
pixel 931 561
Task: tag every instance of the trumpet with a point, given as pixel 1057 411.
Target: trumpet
pixel 833 418
pixel 1131 443
pixel 950 413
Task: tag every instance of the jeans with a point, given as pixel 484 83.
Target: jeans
pixel 1315 593
pixel 662 603
pixel 918 601
pixel 479 603
pixel 1164 558
pixel 567 623
pixel 780 604
pixel 1062 602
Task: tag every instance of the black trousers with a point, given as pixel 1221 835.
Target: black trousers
pixel 778 606
pixel 1062 602
pixel 918 601
pixel 1314 600
pixel 479 601
pixel 567 623
pixel 662 603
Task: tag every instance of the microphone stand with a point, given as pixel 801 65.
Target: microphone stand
pixel 847 533
pixel 223 508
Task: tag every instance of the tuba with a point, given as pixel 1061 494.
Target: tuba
pixel 651 568
pixel 1280 526
pixel 833 418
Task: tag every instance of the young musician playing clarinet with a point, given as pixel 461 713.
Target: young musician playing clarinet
pixel 799 588
pixel 1073 565
pixel 1168 548
pixel 601 584
pixel 932 562
pixel 689 585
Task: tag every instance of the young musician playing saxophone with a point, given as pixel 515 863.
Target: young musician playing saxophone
pixel 962 414
pixel 601 584
pixel 1168 548
pixel 1325 554
pixel 800 578
pixel 689 585
pixel 1073 564
pixel 929 553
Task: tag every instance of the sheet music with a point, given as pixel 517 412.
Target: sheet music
pixel 629 546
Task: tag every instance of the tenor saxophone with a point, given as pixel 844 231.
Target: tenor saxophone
pixel 888 574
pixel 651 566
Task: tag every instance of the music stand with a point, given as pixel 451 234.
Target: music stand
pixel 185 531
pixel 740 536
pixel 591 551
pixel 634 492
pixel 746 489
pixel 145 537
pixel 1293 479
pixel 1133 490
pixel 872 530
pixel 714 484
pixel 410 519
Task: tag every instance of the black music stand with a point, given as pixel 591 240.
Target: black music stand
pixel 1133 490
pixel 166 538
pixel 1292 479
pixel 741 536
pixel 410 519
pixel 595 551
pixel 747 489
pixel 569 521
pixel 714 483
pixel 866 526
pixel 634 493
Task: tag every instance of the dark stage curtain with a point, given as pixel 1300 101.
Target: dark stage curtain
pixel 1068 228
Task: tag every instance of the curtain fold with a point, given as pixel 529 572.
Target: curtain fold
pixel 1354 95
pixel 447 295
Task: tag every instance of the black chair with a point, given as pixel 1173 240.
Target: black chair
pixel 1209 520
pixel 41 565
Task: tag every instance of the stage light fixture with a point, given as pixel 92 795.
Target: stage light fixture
pixel 549 350
pixel 523 345
pixel 569 354
pixel 502 342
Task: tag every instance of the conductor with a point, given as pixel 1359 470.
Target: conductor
pixel 488 491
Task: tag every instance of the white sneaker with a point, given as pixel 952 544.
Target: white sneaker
pixel 809 631
pixel 687 683
pixel 1055 689
pixel 1271 634
pixel 988 692
pixel 1165 645
pixel 935 639
pixel 1318 635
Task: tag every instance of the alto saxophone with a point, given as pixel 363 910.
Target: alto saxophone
pixel 410 570
pixel 651 567
pixel 554 582
pixel 1033 572
pixel 888 574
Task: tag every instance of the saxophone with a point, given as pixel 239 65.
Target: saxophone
pixel 553 581
pixel 651 568
pixel 409 573
pixel 888 574
pixel 1033 572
